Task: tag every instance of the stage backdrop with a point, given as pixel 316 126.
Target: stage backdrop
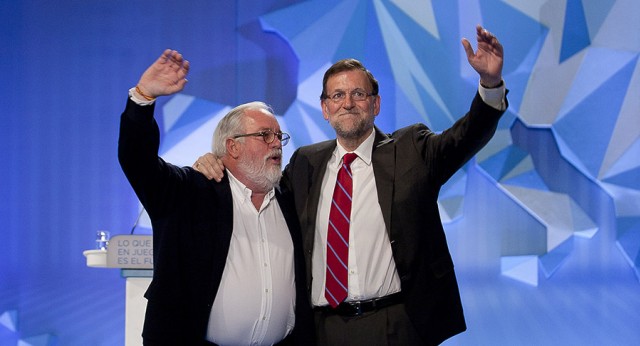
pixel 543 224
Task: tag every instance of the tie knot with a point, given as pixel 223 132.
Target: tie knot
pixel 348 158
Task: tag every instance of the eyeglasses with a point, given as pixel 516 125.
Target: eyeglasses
pixel 356 95
pixel 268 136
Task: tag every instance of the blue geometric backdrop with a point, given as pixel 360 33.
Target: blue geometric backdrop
pixel 543 225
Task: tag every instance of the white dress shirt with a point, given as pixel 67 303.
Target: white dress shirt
pixel 255 304
pixel 372 269
pixel 494 97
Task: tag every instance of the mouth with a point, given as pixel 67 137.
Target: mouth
pixel 275 159
pixel 348 116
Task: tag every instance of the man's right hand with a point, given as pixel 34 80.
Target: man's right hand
pixel 210 166
pixel 165 76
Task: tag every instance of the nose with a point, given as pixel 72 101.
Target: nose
pixel 348 101
pixel 277 143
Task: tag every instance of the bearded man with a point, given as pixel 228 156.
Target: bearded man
pixel 228 261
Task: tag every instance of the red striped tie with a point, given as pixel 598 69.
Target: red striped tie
pixel 337 281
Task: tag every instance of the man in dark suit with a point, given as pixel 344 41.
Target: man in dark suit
pixel 228 262
pixel 400 286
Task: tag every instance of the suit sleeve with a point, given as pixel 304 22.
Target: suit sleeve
pixel 155 182
pixel 451 149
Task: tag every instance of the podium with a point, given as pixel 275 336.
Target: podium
pixel 133 255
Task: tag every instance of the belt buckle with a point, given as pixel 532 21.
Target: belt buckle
pixel 356 308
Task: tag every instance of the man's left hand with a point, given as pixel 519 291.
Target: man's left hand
pixel 210 166
pixel 488 58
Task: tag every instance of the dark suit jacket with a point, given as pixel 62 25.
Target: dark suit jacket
pixel 192 221
pixel 410 166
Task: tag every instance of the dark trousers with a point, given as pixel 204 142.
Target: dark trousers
pixel 387 326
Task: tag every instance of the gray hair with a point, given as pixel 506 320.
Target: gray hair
pixel 232 124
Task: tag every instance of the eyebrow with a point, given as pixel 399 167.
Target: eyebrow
pixel 267 129
pixel 355 89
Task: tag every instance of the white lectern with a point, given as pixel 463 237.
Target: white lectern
pixel 133 255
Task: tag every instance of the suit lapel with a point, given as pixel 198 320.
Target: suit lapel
pixel 383 158
pixel 319 166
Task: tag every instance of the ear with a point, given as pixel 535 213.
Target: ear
pixel 233 148
pixel 325 109
pixel 376 105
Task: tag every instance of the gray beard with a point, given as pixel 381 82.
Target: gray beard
pixel 266 178
pixel 360 129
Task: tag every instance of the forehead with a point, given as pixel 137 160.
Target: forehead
pixel 259 119
pixel 348 80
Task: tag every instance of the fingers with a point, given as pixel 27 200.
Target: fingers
pixel 467 48
pixel 166 76
pixel 218 170
pixel 186 65
pixel 175 69
pixel 201 166
pixel 483 34
pixel 175 61
pixel 488 57
pixel 208 160
pixel 488 41
pixel 210 166
pixel 485 41
pixel 183 71
pixel 165 56
pixel 178 63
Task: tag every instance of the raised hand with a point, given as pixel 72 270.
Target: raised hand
pixel 165 76
pixel 488 58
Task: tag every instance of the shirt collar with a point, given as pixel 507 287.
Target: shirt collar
pixel 242 190
pixel 363 150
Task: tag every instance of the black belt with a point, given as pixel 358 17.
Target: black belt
pixel 357 308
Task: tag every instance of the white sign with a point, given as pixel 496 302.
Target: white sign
pixel 130 251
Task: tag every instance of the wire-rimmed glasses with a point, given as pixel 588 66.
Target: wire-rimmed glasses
pixel 268 136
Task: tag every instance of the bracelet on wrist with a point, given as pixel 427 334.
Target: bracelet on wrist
pixel 146 97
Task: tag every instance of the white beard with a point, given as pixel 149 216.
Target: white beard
pixel 264 176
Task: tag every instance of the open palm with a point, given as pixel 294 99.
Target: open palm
pixel 165 76
pixel 488 58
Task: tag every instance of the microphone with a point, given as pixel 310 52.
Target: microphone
pixel 135 224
